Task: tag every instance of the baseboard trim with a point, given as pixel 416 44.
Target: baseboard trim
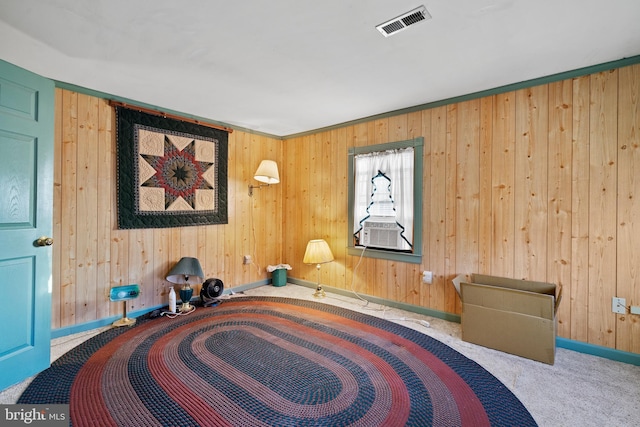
pixel 403 306
pixel 600 351
pixel 94 324
pixel 568 344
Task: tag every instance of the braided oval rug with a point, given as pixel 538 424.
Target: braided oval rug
pixel 267 361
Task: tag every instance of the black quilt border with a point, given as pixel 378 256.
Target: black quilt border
pixel 128 217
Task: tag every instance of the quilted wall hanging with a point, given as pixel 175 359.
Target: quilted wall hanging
pixel 171 173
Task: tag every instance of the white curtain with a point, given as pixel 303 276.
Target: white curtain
pixel 397 165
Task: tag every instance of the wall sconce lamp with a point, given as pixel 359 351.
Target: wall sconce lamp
pixel 187 269
pixel 268 173
pixel 318 252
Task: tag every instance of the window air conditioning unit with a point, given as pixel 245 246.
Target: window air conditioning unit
pixel 381 234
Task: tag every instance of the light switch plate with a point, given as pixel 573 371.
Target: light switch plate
pixel 427 277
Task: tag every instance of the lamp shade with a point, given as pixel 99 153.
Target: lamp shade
pixel 317 252
pixel 185 271
pixel 267 172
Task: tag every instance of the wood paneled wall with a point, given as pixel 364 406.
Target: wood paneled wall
pixel 91 255
pixel 536 183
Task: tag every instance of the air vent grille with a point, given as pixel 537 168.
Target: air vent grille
pixel 395 25
pixel 413 18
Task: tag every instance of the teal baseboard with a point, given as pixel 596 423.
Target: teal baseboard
pixel 247 286
pixel 577 346
pixel 600 351
pixel 88 326
pixel 403 306
pixel 94 324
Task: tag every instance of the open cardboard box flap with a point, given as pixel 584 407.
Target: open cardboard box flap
pixel 531 287
pixel 511 300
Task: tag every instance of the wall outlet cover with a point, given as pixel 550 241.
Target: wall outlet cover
pixel 619 305
pixel 427 277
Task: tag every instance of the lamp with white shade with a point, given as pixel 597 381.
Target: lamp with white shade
pixel 186 272
pixel 267 173
pixel 318 252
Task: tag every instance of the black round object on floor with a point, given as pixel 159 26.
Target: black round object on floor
pixel 211 290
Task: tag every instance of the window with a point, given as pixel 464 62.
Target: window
pixel 385 200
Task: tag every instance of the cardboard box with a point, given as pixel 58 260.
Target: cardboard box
pixel 510 315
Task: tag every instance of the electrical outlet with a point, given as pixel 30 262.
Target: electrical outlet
pixel 619 305
pixel 635 309
pixel 246 259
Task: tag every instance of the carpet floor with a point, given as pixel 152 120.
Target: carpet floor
pixel 273 361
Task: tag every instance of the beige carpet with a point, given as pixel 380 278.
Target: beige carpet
pixel 578 390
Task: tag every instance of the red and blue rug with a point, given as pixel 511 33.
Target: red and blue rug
pixel 264 361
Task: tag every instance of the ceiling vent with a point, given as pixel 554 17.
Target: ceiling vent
pixel 403 21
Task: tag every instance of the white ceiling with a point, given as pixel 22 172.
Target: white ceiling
pixel 288 66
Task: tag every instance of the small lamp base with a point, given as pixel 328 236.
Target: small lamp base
pixel 125 321
pixel 185 295
pixel 186 307
pixel 319 293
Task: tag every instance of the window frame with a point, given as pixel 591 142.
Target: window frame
pixel 418 152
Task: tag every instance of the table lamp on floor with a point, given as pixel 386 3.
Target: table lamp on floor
pixel 318 252
pixel 124 294
pixel 185 272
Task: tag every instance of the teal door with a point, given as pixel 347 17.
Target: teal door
pixel 26 205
